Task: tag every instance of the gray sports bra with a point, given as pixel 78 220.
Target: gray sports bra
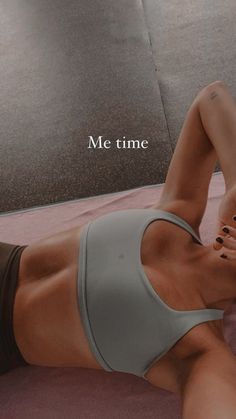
pixel 128 326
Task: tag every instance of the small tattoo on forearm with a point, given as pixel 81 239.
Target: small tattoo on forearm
pixel 213 95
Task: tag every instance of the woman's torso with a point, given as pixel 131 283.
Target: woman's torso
pixel 47 322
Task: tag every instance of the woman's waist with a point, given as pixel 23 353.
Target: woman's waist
pixel 47 324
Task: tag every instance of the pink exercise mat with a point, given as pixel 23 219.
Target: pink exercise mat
pixel 48 393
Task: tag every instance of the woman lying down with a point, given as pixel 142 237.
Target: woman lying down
pixel 136 290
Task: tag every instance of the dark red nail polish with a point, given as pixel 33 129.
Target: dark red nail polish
pixel 225 229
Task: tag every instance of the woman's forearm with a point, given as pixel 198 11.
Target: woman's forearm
pixel 210 388
pixel 218 114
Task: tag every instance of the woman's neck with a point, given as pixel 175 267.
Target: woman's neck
pixel 217 277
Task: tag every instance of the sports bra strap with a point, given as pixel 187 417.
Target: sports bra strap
pixel 169 216
pixel 190 318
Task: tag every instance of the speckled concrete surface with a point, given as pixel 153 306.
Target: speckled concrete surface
pixel 69 70
pixel 193 44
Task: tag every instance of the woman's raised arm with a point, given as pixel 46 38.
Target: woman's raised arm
pixel 186 185
pixel 218 114
pixel 209 390
pixel 208 134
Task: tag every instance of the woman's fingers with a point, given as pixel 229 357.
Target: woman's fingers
pixel 219 240
pixel 229 254
pixel 231 231
pixel 226 239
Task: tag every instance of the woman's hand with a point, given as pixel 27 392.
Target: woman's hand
pixel 226 224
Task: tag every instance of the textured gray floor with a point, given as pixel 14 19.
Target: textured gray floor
pixel 71 69
pixel 193 44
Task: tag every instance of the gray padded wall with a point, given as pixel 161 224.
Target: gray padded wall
pixel 71 69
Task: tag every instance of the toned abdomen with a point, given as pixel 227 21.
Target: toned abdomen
pixel 47 322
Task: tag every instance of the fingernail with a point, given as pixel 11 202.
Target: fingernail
pixel 223 256
pixel 219 240
pixel 225 229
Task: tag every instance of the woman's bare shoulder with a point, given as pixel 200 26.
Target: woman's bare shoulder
pixel 182 209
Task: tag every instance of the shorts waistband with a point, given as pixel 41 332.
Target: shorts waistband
pixel 10 355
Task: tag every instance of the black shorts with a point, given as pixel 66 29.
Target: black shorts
pixel 10 356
